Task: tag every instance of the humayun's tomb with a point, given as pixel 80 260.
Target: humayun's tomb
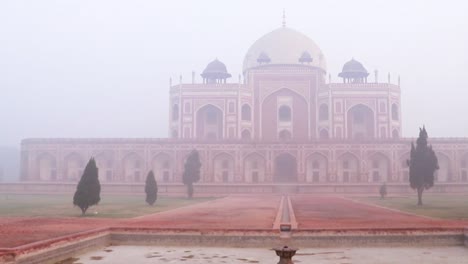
pixel 284 123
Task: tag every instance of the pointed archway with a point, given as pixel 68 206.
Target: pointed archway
pixel 285 168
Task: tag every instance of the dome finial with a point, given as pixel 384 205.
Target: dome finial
pixel 284 17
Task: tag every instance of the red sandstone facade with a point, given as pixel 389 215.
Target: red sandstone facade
pixel 283 122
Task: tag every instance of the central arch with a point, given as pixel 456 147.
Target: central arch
pixel 360 122
pixel 285 168
pixel 209 123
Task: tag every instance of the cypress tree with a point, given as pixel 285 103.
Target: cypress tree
pixel 89 189
pixel 191 171
pixel 151 188
pixel 422 165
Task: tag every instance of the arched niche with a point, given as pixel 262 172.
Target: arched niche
pixel 246 113
pixel 348 168
pixel 323 112
pixel 284 135
pixel 285 168
pixel 161 165
pixel 254 168
pixel 324 134
pixel 464 168
pixel 46 167
pixel 404 168
pixel 316 168
pixel 360 122
pixel 133 166
pixel 284 113
pixel 443 174
pixel 246 134
pixel 395 112
pixel 379 168
pixel 223 168
pixel 73 167
pixel 209 123
pixel 105 163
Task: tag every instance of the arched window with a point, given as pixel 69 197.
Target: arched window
pixel 211 117
pixel 285 135
pixel 324 134
pixel 175 112
pixel 246 113
pixel 284 113
pixel 323 112
pixel 395 112
pixel 246 134
pixel 395 134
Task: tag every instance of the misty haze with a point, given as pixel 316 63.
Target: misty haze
pixel 193 131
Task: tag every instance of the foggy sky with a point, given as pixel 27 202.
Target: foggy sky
pixel 100 68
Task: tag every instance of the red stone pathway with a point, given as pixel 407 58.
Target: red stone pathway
pixel 234 212
pixel 315 212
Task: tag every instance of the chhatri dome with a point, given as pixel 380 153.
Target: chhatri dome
pixel 284 46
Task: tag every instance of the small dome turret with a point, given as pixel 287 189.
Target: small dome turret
pixel 263 58
pixel 305 57
pixel 354 71
pixel 215 72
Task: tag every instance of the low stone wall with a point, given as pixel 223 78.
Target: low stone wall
pixel 374 238
pixel 53 250
pixel 466 236
pixel 205 240
pixel 73 245
pixel 228 188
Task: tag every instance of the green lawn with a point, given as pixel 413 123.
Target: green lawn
pixel 111 206
pixel 434 205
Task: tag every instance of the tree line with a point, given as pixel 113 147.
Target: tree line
pixel 88 190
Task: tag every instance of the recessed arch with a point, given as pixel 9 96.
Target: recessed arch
pixel 316 168
pixel 46 167
pixel 209 122
pixel 361 122
pixel 74 164
pixel 284 135
pixel 395 112
pixel 254 168
pixel 284 113
pixel 294 109
pixel 379 168
pixel 174 133
pixel 348 168
pixel 105 163
pixel 162 166
pixel 223 167
pixel 246 112
pixel 323 112
pixel 464 168
pixel 324 134
pixel 395 134
pixel 133 167
pixel 246 134
pixel 285 168
pixel 444 173
pixel 403 167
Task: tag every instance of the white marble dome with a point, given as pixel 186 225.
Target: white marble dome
pixel 283 46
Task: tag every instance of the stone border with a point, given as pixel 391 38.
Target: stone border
pixel 52 250
pixel 466 237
